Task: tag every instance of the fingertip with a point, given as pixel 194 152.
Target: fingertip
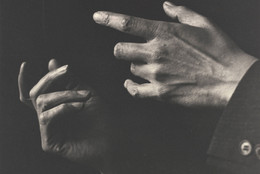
pixel 117 50
pixel 170 10
pixel 63 68
pixel 53 64
pixel 168 4
pixel 21 86
pixel 131 87
pixel 53 60
pixel 100 17
pixel 96 15
pixel 127 82
pixel 23 64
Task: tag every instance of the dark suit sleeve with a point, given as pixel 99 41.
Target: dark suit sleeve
pixel 235 146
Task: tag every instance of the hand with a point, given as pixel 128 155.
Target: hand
pixel 73 121
pixel 189 61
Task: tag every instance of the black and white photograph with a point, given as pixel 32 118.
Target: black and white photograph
pixel 129 87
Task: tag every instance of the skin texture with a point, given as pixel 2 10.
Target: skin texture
pixel 189 62
pixel 73 121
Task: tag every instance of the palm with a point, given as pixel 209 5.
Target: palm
pixel 78 136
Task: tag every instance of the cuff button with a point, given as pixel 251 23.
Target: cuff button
pixel 246 147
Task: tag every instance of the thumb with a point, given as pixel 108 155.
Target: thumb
pixel 185 15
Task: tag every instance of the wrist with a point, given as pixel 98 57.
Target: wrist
pixel 239 69
pixel 223 92
pixel 241 64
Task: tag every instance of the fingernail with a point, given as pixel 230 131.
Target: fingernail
pixel 83 92
pixel 134 92
pixel 167 3
pixel 63 68
pixel 100 17
pixel 117 49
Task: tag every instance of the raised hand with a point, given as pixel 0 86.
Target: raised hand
pixel 73 121
pixel 189 62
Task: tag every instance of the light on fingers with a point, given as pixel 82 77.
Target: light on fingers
pixel 44 84
pixel 185 15
pixel 146 90
pixel 128 24
pixel 23 93
pixel 132 51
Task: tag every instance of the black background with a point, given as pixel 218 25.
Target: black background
pixel 161 138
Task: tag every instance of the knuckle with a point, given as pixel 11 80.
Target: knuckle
pixel 133 68
pixel 162 92
pixel 57 148
pixel 41 104
pixel 50 147
pixel 126 23
pixel 39 100
pixel 154 70
pixel 68 93
pixel 43 107
pixel 22 99
pixel 160 53
pixel 135 93
pixel 63 106
pixel 43 120
pixel 32 93
pixel 156 55
pixel 182 9
pixel 45 146
pixel 106 19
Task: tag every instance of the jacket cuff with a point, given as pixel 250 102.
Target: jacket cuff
pixel 235 145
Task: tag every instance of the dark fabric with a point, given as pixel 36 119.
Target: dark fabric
pixel 158 138
pixel 239 122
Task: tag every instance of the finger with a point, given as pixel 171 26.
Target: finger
pixel 185 15
pixel 128 24
pixel 132 52
pixel 53 64
pixel 72 82
pixel 145 71
pixel 61 110
pixel 50 116
pixel 146 90
pixel 23 92
pixel 45 83
pixel 47 101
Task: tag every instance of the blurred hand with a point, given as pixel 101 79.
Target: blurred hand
pixel 189 61
pixel 73 121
